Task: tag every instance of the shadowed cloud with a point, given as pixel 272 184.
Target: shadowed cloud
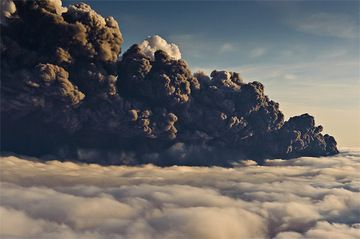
pixel 66 92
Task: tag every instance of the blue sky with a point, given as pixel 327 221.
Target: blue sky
pixel 306 53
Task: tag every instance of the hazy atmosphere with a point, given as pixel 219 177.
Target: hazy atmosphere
pixel 180 119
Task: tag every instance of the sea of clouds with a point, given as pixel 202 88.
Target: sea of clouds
pixel 300 198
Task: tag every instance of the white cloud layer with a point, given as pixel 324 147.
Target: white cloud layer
pixel 316 198
pixel 153 43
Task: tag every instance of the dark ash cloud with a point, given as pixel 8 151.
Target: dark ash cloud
pixel 65 91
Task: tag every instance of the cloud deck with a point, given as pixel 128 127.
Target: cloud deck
pixel 312 198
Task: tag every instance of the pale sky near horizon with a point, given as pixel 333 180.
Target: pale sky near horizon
pixel 306 53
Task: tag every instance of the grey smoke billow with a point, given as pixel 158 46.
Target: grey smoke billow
pixel 65 91
pixel 298 198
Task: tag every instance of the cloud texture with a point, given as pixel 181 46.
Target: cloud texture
pixel 64 89
pixel 313 198
pixel 154 43
pixel 325 24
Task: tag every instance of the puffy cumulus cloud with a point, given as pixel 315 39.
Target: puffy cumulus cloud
pixel 154 43
pixel 7 9
pixel 306 197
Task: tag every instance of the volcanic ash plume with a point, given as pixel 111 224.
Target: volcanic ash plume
pixel 66 91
